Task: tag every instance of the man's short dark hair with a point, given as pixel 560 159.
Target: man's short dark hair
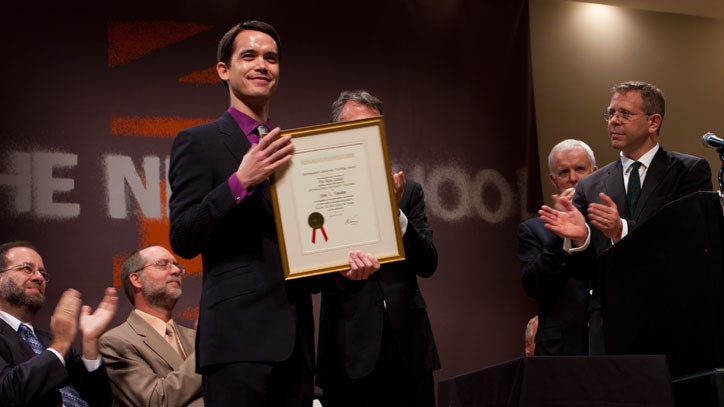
pixel 6 247
pixel 652 98
pixel 360 96
pixel 226 46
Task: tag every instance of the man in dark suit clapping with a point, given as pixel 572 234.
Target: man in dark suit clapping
pixel 558 281
pixel 38 368
pixel 612 202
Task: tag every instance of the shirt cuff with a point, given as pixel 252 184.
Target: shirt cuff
pixel 624 231
pixel 238 190
pixel 91 365
pixel 58 355
pixel 568 244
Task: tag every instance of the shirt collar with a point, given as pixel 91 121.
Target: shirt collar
pixel 246 123
pixel 156 323
pixel 13 322
pixel 644 159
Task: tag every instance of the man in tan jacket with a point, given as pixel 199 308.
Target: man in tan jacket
pixel 149 358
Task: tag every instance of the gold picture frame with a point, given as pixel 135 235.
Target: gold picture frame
pixel 335 195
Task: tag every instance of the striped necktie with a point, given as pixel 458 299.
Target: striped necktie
pixel 71 398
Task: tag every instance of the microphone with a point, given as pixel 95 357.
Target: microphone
pixel 711 140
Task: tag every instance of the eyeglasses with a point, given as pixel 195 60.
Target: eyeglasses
pixel 164 265
pixel 29 269
pixel 623 114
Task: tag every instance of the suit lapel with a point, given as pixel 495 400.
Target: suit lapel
pixel 266 193
pixel 654 175
pixel 615 189
pixel 238 144
pixel 20 349
pixel 234 139
pixel 44 338
pixel 154 341
pixel 187 338
pixel 404 204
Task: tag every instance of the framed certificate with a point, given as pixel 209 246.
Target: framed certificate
pixel 335 195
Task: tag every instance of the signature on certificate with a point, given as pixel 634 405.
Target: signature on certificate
pixel 352 221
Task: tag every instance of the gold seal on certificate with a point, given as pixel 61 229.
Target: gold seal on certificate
pixel 339 181
pixel 316 221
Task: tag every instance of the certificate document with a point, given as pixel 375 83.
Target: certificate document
pixel 336 195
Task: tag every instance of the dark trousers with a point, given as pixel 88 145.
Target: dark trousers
pixel 257 384
pixel 389 384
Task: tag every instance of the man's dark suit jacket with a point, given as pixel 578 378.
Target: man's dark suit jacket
pixel 247 313
pixel 670 176
pixel 560 283
pixel 351 319
pixel 27 379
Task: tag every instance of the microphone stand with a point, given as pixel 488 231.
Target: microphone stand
pixel 720 150
pixel 721 178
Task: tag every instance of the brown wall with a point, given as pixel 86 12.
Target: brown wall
pixel 580 50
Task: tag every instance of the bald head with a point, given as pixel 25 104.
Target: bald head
pixel 152 276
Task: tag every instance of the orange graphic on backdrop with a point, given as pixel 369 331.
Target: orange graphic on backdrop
pixel 129 41
pixel 152 126
pixel 132 40
pixel 206 76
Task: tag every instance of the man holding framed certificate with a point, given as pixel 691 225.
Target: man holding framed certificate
pixel 255 332
pixel 376 346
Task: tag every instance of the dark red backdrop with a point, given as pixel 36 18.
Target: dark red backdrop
pixel 93 96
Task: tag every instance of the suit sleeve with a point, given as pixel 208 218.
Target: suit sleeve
pixel 196 204
pixel 697 178
pixel 93 386
pixel 420 251
pixel 541 260
pixel 135 383
pixel 27 382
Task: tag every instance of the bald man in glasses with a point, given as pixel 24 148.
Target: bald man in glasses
pixel 150 358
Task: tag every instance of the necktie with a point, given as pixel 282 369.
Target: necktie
pixel 634 187
pixel 174 340
pixel 71 398
pixel 262 130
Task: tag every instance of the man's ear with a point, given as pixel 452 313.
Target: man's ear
pixel 222 70
pixel 135 280
pixel 654 122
